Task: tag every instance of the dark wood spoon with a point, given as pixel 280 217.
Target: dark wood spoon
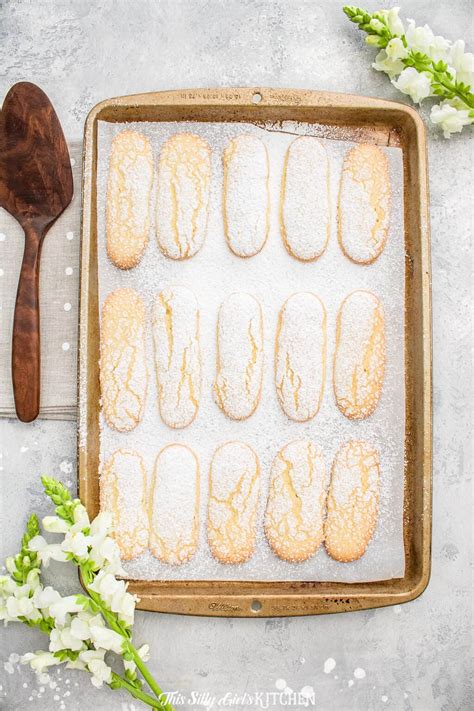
pixel 35 187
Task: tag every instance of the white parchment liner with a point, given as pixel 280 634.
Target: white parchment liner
pixel 271 277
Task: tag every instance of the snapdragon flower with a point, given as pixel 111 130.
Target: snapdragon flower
pixel 421 64
pixel 82 628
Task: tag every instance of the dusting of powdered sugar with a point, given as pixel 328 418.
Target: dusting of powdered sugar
pixel 271 277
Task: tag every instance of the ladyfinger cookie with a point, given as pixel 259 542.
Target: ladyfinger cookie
pixel 123 491
pixel 174 507
pixel 177 355
pixel 234 483
pixel 364 203
pixel 300 356
pixel 296 501
pixel 184 174
pixel 246 195
pixel 123 369
pixel 353 501
pixel 129 188
pixel 305 204
pixel 239 357
pixel 359 359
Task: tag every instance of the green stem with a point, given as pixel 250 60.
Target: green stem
pixel 448 85
pixel 137 693
pixel 144 671
pixel 114 623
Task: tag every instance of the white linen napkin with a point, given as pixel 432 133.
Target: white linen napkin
pixel 59 286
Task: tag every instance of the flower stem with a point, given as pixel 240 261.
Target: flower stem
pixel 113 621
pixel 144 671
pixel 441 78
pixel 118 681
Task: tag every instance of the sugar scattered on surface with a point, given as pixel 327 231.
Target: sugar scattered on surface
pixel 329 665
pixel 271 276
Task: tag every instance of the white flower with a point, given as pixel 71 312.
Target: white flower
pixel 463 63
pixel 39 661
pixel 33 579
pixel 100 672
pixel 81 519
pixel 54 524
pixel 76 543
pixel 47 551
pixel 65 605
pixel 419 38
pixel 102 523
pixel 62 638
pixel 389 60
pixel 84 658
pixel 438 49
pixel 80 626
pixel 394 24
pixel 113 567
pixel 396 49
pixel 450 118
pixel 417 85
pixel 105 550
pixel 43 598
pixel 10 564
pixel 22 607
pixel 129 665
pixel 92 654
pixel 104 638
pixel 144 652
pixel 422 39
pixel 113 593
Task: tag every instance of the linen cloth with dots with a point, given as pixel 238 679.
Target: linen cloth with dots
pixel 59 291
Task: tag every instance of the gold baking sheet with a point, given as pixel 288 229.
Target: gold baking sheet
pixel 358 119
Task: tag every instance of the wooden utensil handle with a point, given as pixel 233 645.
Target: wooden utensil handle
pixel 26 333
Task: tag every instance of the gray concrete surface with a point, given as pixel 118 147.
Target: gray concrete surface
pixel 416 657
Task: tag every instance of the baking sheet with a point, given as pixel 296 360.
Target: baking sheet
pixel 271 277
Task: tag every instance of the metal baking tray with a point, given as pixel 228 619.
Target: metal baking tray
pixel 360 119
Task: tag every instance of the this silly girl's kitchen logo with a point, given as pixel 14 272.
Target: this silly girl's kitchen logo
pixel 286 699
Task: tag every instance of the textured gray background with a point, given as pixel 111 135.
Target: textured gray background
pixel 417 656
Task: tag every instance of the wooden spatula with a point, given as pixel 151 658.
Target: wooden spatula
pixel 35 187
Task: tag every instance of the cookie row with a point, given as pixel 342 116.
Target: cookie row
pixel 302 511
pixel 183 189
pixel 300 356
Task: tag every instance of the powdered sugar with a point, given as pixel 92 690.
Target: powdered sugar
pixel 239 357
pixel 270 277
pixel 305 213
pixel 245 194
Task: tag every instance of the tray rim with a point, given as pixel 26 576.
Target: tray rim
pixel 288 598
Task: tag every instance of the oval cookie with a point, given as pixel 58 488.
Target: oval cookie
pixel 184 173
pixel 364 203
pixel 177 355
pixel 123 492
pixel 174 507
pixel 300 356
pixel 305 205
pixel 239 360
pixel 246 195
pixel 129 188
pixel 359 359
pixel 123 370
pixel 353 501
pixel 233 498
pixel 296 500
